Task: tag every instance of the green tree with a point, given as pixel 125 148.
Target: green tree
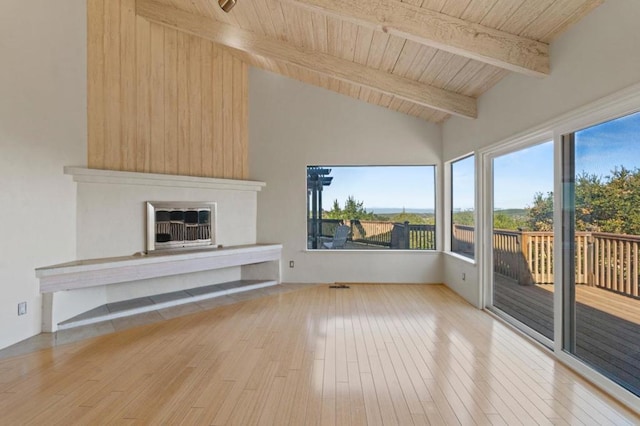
pixel 353 209
pixel 509 222
pixel 606 204
pixel 335 212
pixel 464 218
pixel 408 217
pixel 609 205
pixel 540 214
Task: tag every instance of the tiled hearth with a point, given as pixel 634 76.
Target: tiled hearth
pixel 160 301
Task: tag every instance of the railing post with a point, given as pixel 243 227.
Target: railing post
pixel 454 237
pixel 590 272
pixel 524 260
pixel 406 235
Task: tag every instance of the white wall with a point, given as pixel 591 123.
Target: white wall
pixel 596 57
pixel 292 125
pixel 42 128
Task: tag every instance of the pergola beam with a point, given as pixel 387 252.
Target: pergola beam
pixel 254 44
pixel 468 39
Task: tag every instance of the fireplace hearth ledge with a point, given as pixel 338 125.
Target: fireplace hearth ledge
pixel 258 261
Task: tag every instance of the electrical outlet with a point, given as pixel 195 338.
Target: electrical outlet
pixel 464 276
pixel 22 308
pixel 291 264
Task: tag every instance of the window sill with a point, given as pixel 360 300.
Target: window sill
pixel 461 257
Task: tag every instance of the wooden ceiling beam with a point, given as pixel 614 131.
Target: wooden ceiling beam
pixel 247 42
pixel 471 40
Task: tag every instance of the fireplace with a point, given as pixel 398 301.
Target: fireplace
pixel 180 224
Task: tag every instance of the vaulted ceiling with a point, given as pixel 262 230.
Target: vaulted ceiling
pixel 426 58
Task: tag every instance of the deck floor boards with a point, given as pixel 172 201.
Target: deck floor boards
pixel 607 333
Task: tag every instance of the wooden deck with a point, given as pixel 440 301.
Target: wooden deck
pixel 607 325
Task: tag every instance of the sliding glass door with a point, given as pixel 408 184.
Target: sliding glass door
pixel 522 239
pixel 601 250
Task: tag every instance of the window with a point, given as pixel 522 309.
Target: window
pixel 371 208
pixel 463 206
pixel 522 238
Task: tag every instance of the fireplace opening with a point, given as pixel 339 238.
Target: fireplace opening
pixel 180 224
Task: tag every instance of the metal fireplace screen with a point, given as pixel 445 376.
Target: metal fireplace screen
pixel 173 225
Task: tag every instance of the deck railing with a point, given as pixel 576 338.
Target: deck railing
pixel 603 260
pixel 371 231
pixel 613 262
pixel 393 235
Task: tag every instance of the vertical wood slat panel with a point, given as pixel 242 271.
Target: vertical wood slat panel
pixel 183 105
pixel 227 114
pixel 207 110
pixel 195 105
pixel 237 109
pixel 112 78
pixel 128 84
pixel 171 101
pixel 218 107
pixel 157 58
pixel 161 101
pixel 143 113
pixel 95 83
pixel 245 120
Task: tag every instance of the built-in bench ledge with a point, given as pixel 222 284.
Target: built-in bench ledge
pixel 259 261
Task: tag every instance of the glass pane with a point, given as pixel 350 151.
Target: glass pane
pixel 523 237
pixel 606 206
pixel 463 206
pixel 371 207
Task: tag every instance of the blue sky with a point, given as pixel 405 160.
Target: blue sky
pixel 608 145
pixel 411 187
pixel 517 176
pixel 462 172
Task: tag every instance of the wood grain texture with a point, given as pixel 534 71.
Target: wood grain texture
pixel 442 31
pixel 152 97
pixel 95 83
pixel 503 25
pixel 342 68
pixel 302 355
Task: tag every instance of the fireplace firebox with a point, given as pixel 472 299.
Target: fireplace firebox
pixel 180 224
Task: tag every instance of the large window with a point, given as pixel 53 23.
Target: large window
pixel 371 207
pixel 601 227
pixel 463 206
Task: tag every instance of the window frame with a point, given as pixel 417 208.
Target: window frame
pixel 450 207
pixel 436 211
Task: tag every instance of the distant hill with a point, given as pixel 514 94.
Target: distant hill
pixel 512 212
pixel 394 210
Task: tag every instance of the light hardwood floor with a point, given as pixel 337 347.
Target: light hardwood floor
pixel 371 354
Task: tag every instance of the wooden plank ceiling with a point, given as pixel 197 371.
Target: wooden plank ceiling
pixel 426 58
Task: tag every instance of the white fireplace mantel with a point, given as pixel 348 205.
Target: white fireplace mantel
pixel 85 175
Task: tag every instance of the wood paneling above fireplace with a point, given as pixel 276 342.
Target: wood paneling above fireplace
pixel 162 101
